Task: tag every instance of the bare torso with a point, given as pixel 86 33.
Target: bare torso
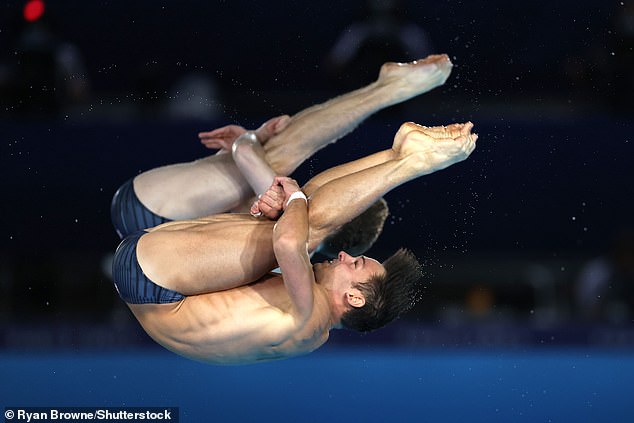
pixel 242 325
pixel 234 311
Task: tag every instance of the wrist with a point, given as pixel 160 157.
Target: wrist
pixel 296 195
pixel 248 138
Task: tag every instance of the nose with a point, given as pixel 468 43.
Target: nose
pixel 343 256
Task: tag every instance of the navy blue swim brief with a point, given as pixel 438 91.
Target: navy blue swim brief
pixel 131 284
pixel 129 215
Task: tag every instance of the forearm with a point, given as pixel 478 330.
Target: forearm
pixel 290 238
pixel 249 158
pixel 292 227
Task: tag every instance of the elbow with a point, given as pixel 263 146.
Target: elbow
pixel 284 243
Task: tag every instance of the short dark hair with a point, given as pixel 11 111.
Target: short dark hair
pixel 387 296
pixel 357 236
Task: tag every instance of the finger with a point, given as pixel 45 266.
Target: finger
pixel 273 215
pixel 214 143
pixel 274 186
pixel 273 192
pixel 279 192
pixel 290 187
pixel 279 179
pixel 227 130
pixel 289 182
pixel 226 144
pixel 255 209
pixel 266 209
pixel 266 199
pixel 273 202
pixel 217 143
pixel 220 132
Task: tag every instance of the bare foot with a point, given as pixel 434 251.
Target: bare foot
pixel 407 80
pixel 437 132
pixel 431 149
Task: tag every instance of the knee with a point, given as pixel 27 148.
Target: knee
pixel 320 224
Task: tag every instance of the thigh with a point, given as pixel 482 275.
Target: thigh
pixel 208 257
pixel 191 190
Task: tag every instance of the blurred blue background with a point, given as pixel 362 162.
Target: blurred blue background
pixel 528 246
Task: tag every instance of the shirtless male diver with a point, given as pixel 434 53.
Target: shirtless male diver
pixel 202 288
pixel 228 180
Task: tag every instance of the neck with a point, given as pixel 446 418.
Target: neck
pixel 335 304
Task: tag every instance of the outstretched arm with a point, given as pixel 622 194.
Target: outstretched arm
pixel 223 138
pixel 248 154
pixel 290 240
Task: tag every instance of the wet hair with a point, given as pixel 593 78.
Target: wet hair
pixel 357 236
pixel 387 296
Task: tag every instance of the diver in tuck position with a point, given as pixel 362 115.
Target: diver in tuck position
pixel 202 287
pixel 227 181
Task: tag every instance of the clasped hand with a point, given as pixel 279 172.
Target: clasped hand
pixel 272 203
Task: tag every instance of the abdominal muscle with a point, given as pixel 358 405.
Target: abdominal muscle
pixel 242 325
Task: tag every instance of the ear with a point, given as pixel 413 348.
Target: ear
pixel 355 298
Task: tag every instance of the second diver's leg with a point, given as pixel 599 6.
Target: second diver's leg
pixel 417 151
pixel 215 184
pixel 437 132
pixel 190 190
pixel 322 124
pixel 315 127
